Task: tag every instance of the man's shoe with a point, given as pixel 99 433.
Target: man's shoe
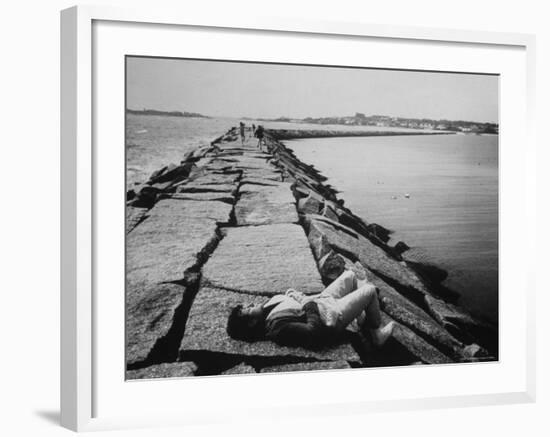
pixel 381 335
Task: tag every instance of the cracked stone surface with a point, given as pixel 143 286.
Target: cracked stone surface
pixel 213 179
pixel 300 367
pixel 165 245
pixel 264 260
pixel 192 187
pixel 208 196
pixel 247 179
pixel 267 175
pixel 206 331
pixel 161 251
pixel 247 161
pixel 220 166
pixel 149 314
pixel 164 370
pixel 260 205
pixel 170 208
pixel 134 216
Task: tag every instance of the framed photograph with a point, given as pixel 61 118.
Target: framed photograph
pixel 256 208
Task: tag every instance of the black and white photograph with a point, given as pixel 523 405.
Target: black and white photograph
pixel 287 217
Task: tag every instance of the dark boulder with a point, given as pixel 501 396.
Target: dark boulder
pixel 173 173
pixel 146 196
pixel 130 194
pixel 428 272
pixel 329 212
pixel 318 242
pixel 299 190
pixel 157 173
pixel 309 205
pixel 331 266
pixel 163 186
pixel 379 231
pixel 400 247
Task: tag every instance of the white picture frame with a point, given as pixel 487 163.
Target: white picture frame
pixel 81 373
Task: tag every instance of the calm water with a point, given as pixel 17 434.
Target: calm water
pixel 452 181
pixel 155 141
pixel 451 214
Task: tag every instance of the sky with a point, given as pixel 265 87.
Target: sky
pixel 235 89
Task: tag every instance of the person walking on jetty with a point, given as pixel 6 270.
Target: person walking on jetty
pixel 241 130
pixel 260 135
pixel 294 319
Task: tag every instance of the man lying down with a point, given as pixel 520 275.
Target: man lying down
pixel 294 319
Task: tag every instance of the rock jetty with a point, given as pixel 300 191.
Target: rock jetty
pixel 234 224
pixel 291 134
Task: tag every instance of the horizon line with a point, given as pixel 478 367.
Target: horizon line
pixel 303 118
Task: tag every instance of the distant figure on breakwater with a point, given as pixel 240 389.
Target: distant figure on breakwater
pixel 253 130
pixel 259 133
pixel 241 130
pixel 294 319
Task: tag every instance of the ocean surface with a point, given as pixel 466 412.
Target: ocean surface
pixel 153 141
pixel 439 194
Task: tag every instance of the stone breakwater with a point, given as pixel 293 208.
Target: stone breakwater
pixel 232 224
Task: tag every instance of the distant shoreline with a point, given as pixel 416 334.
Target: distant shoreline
pixel 291 134
pixel 165 113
